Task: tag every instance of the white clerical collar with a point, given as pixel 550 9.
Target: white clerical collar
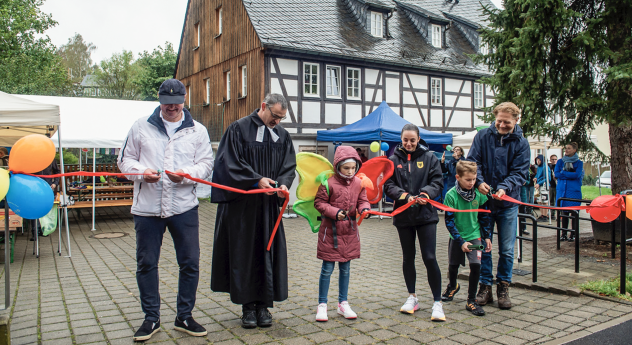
pixel 261 131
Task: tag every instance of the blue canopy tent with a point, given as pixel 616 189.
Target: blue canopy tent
pixel 382 125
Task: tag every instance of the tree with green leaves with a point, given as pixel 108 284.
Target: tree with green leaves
pixel 156 67
pixel 568 65
pixel 117 76
pixel 77 57
pixel 28 63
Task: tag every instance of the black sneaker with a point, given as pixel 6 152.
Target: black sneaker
pixel 563 238
pixel 264 318
pixel 449 293
pixel 249 319
pixel 146 330
pixel 474 307
pixel 190 327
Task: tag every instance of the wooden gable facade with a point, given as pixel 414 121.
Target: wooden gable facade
pixel 331 76
pixel 207 57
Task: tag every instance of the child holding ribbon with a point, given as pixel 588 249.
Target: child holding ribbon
pixel 468 231
pixel 340 200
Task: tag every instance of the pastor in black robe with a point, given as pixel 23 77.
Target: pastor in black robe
pixel 241 264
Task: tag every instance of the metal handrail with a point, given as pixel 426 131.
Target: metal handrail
pixel 534 239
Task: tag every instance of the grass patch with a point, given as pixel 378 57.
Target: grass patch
pixel 610 287
pixel 592 192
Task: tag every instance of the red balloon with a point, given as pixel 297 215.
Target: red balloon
pixel 607 208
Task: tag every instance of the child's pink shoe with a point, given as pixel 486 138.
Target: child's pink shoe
pixel 345 310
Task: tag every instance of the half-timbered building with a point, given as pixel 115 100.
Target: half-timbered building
pixel 335 61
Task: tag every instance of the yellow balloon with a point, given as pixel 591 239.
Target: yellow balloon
pixel 4 183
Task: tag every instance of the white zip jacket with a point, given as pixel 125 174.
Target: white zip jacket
pixel 148 146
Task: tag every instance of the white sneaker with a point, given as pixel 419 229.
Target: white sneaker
pixel 437 312
pixel 412 304
pixel 321 313
pixel 345 310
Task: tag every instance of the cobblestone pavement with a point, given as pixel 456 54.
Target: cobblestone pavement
pixel 93 297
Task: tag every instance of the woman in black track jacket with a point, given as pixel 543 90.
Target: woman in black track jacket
pixel 417 174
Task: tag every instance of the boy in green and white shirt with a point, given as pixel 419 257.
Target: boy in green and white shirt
pixel 466 229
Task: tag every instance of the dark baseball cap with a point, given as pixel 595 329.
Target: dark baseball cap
pixel 172 91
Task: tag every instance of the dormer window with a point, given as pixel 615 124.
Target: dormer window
pixel 482 46
pixel 436 35
pixel 377 24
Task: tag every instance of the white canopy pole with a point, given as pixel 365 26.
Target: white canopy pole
pixel 94 186
pixel 64 197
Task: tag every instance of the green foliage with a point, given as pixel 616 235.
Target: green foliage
pixel 589 180
pixel 28 63
pixel 69 157
pixel 117 76
pixel 565 63
pixel 156 67
pixel 610 287
pixel 76 55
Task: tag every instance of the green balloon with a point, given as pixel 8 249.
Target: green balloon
pixel 375 146
pixel 449 147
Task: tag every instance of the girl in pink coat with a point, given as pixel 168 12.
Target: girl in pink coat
pixel 339 202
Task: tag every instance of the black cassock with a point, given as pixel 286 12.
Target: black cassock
pixel 241 264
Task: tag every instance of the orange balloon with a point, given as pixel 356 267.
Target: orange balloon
pixel 32 153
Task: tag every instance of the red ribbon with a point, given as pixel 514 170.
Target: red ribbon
pixel 505 197
pixel 409 204
pixel 230 189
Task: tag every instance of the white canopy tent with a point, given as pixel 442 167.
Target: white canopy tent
pixel 20 117
pixel 96 123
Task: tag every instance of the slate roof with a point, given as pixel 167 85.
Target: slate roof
pixel 89 80
pixel 335 28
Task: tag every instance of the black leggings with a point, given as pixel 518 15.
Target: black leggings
pixel 427 234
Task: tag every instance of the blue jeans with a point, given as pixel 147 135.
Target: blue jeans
pixel 343 280
pixel 506 221
pixel 184 229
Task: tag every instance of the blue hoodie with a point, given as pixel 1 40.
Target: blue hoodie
pixel 542 179
pixel 503 161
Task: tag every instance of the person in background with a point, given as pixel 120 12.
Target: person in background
pixel 526 194
pixel 570 173
pixel 541 183
pixel 553 190
pixel 448 167
pixel 363 158
pixel 4 157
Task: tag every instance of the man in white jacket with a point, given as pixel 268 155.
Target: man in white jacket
pixel 168 140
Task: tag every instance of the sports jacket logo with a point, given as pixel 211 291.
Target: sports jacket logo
pixel 400 166
pixel 420 165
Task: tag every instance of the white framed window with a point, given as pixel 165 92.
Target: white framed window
pixel 435 95
pixel 228 86
pixel 333 81
pixel 189 94
pixel 219 21
pixel 353 83
pixel 310 79
pixel 244 81
pixel 377 24
pixel 478 95
pixel 208 91
pixel 436 36
pixel 197 34
pixel 482 46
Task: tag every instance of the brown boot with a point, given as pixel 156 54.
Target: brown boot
pixel 502 292
pixel 484 294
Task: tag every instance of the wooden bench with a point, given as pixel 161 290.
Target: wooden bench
pixel 109 196
pixel 102 203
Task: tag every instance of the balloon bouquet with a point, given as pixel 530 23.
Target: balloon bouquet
pixel 28 196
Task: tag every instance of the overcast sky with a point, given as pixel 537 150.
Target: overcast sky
pixel 116 25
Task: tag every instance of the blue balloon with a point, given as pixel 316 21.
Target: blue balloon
pixel 30 197
pixel 384 147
